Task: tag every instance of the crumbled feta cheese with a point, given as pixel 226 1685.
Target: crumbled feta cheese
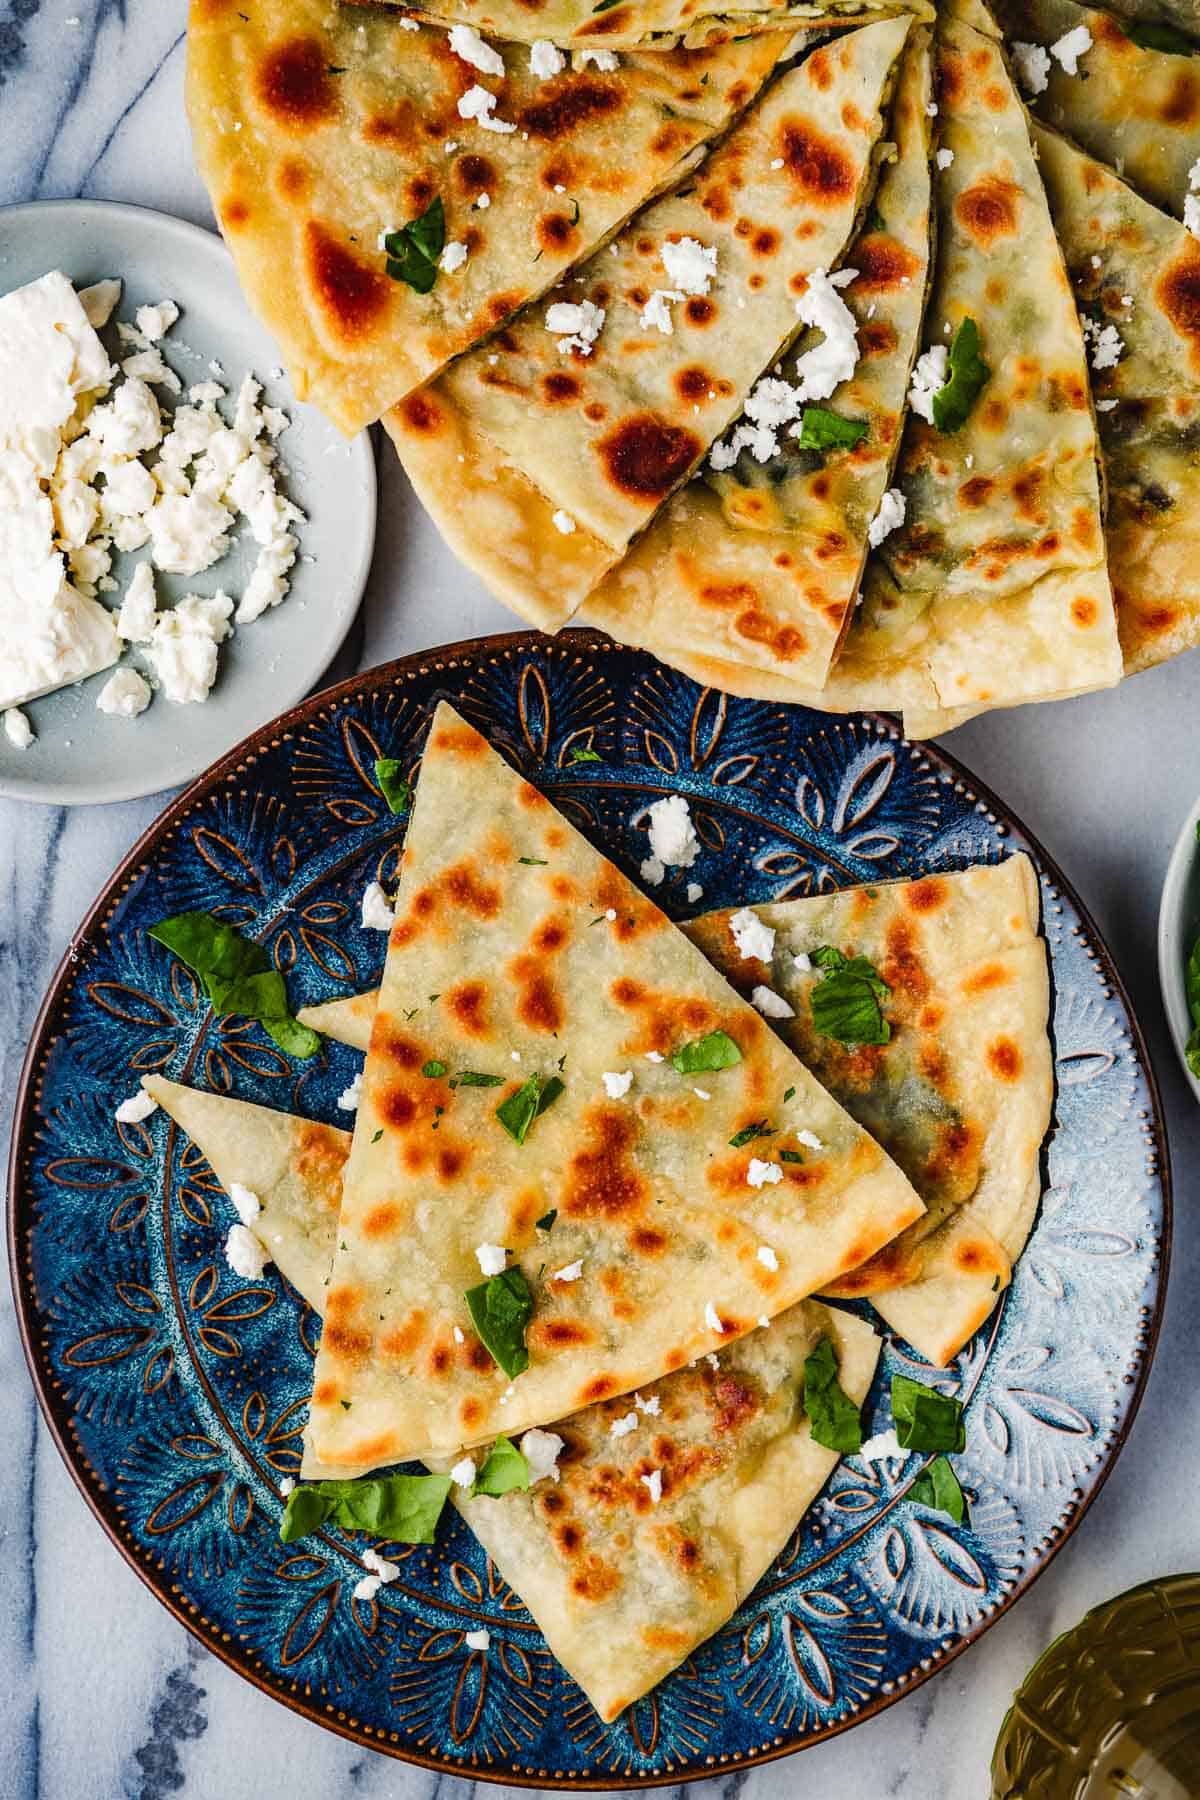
pixel 349 1097
pixel 652 1406
pixel 478 1639
pixel 673 840
pixel 408 24
pixel 760 1173
pixel 478 104
pixel 545 59
pixel 482 202
pixel 617 1084
pixel 575 326
pixel 467 43
pixel 803 961
pixel 712 1318
pixel 883 1445
pixel 1104 406
pixel 459 1335
pixel 654 1055
pixel 610 915
pixel 890 515
pixel 1105 342
pixel 755 941
pixel 380 1566
pixel 1068 49
pixel 137 1107
pixel 286 1486
pixel 569 1272
pixel 246 1203
pixel 563 522
pixel 244 1254
pixel 653 871
pixel 453 257
pixel 944 158
pixel 183 646
pixel 928 379
pixel 690 265
pixel 820 370
pixel 463 1472
pixel 768 1258
pixel 99 301
pixel 1032 64
pixel 653 1484
pixel 491 1258
pixel 605 60
pixel 713 1361
pixel 770 1004
pixel 377 914
pixel 124 695
pixel 694 892
pixel 154 322
pixel 810 1140
pixel 541 1450
pixel 656 314
pixel 1191 214
pixel 17 728
pixel 702 1093
pixel 622 1427
pixel 367 1588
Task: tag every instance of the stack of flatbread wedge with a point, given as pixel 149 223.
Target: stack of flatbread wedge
pixel 569 1095
pixel 783 354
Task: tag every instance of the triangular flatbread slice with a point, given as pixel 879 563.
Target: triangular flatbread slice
pixel 1135 107
pixel 622 1585
pixel 520 955
pixel 1120 248
pixel 961 1095
pixel 650 22
pixel 994 591
pixel 542 455
pixel 760 565
pixel 319 128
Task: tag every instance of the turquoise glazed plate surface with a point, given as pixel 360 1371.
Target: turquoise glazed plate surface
pixel 177 1391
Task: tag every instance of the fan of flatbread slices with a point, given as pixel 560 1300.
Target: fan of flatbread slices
pixel 541 455
pixel 317 129
pixel 623 1585
pixel 760 564
pixel 627 1079
pixel 616 24
pixel 1136 274
pixel 960 1096
pixel 1133 106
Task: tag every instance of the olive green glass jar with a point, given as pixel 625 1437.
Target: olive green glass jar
pixel 1112 1708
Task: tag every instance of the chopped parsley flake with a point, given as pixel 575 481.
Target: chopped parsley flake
pixel 432 1069
pixel 501 1308
pixel 393 785
pixel 518 1112
pixel 413 251
pixel 968 376
pixel 846 1003
pixel 706 1055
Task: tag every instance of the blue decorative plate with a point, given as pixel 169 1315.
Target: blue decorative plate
pixel 176 1391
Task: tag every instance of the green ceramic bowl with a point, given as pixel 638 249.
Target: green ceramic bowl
pixel 1178 928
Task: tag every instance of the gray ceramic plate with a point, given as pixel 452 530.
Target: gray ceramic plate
pixel 82 755
pixel 1178 926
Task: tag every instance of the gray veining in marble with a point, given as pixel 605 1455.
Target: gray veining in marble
pixel 102 1694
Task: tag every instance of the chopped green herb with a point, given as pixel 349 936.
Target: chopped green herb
pixel 874 220
pixel 237 977
pixel 605 5
pixel 1149 34
pixel 575 214
pixel 475 1078
pixel 790 1156
pixel 1191 977
pixel 580 755
pixel 547 1219
pixel 969 375
pixel 405 1508
pixel 925 1419
pixel 937 1486
pixel 378 1135
pixel 335 68
pixel 995 1284
pixel 835 1420
pixel 846 1002
pixel 518 1112
pixel 788 1094
pixel 413 251
pixel 760 1128
pixel 432 1069
pixel 534 862
pixel 346 1405
pixel 821 429
pixel 396 790
pixel 504 1471
pixel 501 1308
pixel 704 1056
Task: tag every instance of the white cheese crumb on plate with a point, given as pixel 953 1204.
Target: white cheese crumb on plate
pixel 139 1106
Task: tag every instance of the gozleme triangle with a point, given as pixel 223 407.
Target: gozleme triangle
pixel 541 455
pixel 621 23
pixel 322 132
pixel 549 1047
pixel 625 1575
pixel 756 567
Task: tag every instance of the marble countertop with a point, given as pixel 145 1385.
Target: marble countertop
pixel 104 1694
